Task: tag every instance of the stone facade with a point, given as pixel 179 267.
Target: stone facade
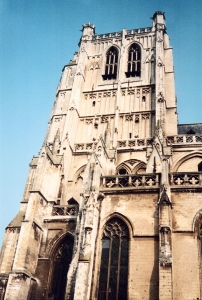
pixel 112 207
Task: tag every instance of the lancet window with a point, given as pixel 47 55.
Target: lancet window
pixel 114 261
pixel 111 65
pixel 134 61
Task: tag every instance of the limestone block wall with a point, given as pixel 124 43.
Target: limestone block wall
pixel 186 266
pixel 9 249
pixel 18 287
pixel 140 211
pixel 186 246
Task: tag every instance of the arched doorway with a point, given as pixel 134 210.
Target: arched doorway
pixel 60 265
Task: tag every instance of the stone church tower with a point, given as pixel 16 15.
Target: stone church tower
pixel 112 207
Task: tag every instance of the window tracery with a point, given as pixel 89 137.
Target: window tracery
pixel 111 65
pixel 114 261
pixel 134 61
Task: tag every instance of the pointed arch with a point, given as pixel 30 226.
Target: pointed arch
pixel 123 218
pixel 121 167
pixel 78 173
pixel 140 168
pixel 184 158
pixel 113 279
pixel 61 257
pixel 132 166
pixel 72 201
pixel 111 63
pixel 196 219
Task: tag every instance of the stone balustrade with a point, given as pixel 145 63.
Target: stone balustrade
pixel 65 210
pixel 134 143
pixel 85 146
pixel 119 33
pixel 186 179
pixel 184 139
pixel 139 30
pixel 131 143
pixel 107 35
pixel 136 181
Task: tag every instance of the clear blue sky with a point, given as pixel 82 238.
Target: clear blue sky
pixel 37 38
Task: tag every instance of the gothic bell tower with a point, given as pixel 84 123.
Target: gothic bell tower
pixel 101 216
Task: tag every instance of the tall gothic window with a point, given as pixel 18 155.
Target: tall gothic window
pixel 134 61
pixel 114 261
pixel 111 64
pixel 61 261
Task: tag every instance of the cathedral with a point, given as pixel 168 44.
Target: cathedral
pixel 112 207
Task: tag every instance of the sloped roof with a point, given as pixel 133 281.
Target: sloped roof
pixel 195 128
pixel 17 221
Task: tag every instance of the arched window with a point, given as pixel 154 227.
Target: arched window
pixel 200 167
pixel 114 261
pixel 122 171
pixel 111 64
pixel 134 61
pixel 60 266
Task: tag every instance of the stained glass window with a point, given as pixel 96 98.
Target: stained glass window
pixel 114 261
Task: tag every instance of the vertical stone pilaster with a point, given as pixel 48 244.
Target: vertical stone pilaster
pixel 88 234
pixel 165 248
pixel 159 27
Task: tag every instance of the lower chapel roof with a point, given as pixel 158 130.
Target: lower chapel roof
pixel 195 128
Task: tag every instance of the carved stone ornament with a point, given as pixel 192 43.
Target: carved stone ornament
pixel 164 199
pixel 131 143
pixel 165 255
pixel 160 98
pixel 165 258
pixel 145 116
pixel 146 90
pixel 79 147
pixel 92 96
pixel 123 92
pixel 104 119
pixel 89 146
pixel 129 117
pixel 106 94
pixel 138 93
pixel 159 62
pixel 131 91
pixel 122 144
pixel 13 229
pixel 89 121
